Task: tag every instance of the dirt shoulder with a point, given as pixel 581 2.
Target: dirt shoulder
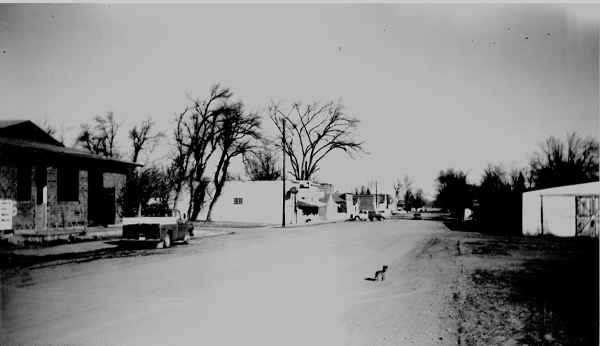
pixel 518 291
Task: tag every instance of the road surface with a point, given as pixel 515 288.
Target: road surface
pixel 270 286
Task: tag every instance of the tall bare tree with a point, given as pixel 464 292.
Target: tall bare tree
pixel 312 131
pixel 237 134
pixel 196 140
pixel 181 154
pixel 148 182
pixel 99 138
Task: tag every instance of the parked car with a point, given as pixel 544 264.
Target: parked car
pixel 363 216
pixel 375 215
pixel 164 225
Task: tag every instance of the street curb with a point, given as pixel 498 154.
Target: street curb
pixel 308 224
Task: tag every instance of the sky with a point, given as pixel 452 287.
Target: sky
pixel 435 86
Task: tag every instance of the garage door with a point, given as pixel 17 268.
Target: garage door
pixel 559 215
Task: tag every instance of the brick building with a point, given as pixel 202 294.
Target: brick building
pixel 55 186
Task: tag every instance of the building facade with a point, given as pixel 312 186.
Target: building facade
pixel 264 202
pixel 52 186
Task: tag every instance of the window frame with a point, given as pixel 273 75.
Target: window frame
pixel 24 183
pixel 67 184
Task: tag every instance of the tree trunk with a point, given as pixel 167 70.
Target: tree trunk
pixel 198 200
pixel 219 184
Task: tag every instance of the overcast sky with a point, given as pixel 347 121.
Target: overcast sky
pixel 435 86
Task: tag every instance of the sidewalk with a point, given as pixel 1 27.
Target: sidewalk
pixel 52 242
pixel 75 240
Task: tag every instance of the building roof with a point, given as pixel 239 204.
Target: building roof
pixel 27 130
pixel 6 123
pixel 24 137
pixel 338 199
pixel 309 203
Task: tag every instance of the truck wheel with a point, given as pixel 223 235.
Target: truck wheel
pixel 186 239
pixel 167 241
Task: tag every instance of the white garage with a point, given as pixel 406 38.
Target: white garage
pixel 566 211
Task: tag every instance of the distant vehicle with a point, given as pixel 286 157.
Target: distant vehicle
pixel 363 216
pixel 401 211
pixel 417 216
pixel 385 214
pixel 164 225
pixel 375 215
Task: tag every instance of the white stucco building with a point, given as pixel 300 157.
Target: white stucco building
pixel 262 202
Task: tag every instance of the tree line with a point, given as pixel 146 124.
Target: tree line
pixel 496 199
pixel 208 134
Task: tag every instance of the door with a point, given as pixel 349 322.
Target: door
pixel 109 206
pixel 95 197
pixel 587 216
pixel 559 215
pixel 41 197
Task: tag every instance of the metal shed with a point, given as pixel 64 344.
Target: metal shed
pixel 566 211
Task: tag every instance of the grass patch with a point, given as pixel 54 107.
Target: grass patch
pixel 549 298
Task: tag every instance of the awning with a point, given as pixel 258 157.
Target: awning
pixel 306 203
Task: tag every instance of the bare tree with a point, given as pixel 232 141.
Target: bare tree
pixel 372 185
pixel 196 137
pixel 237 132
pixel 398 186
pixel 142 139
pixel 100 138
pixel 312 131
pixel 408 192
pixel 47 126
pixel 261 163
pixel 558 163
pixel 178 170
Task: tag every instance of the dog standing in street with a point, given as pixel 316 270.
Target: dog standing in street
pixel 380 274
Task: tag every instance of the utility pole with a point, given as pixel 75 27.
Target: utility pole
pixel 283 175
pixel 376 199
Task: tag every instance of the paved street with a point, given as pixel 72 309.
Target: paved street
pixel 268 286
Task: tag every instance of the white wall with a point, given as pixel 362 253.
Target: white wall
pixel 559 209
pixel 262 202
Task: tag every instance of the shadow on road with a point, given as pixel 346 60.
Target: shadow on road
pixel 369 279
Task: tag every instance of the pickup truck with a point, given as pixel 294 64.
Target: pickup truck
pixel 164 225
pixel 363 216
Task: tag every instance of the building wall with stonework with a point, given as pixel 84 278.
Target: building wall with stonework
pixel 8 181
pixel 25 218
pixel 65 214
pixel 59 214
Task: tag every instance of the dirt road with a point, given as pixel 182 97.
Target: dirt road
pixel 302 286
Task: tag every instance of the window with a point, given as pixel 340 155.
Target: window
pixel 23 183
pixel 67 184
pixel 238 201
